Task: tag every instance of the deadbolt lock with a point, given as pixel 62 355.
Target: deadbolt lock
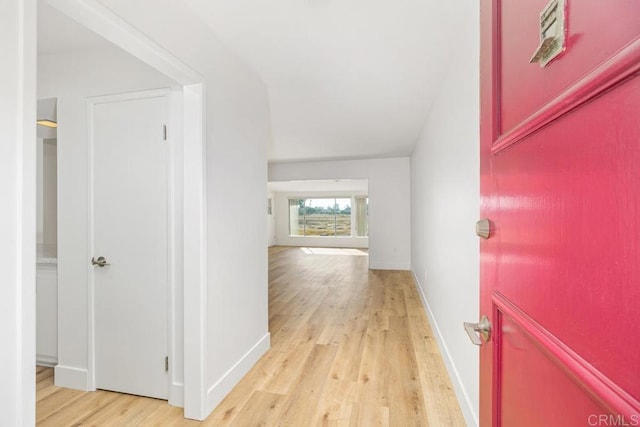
pixel 483 228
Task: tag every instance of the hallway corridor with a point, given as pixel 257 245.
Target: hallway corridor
pixel 349 347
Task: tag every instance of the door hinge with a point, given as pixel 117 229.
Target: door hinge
pixel 166 364
pixel 164 132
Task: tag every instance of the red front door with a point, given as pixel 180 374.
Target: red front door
pixel 560 183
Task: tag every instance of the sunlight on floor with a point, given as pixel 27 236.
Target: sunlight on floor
pixel 334 251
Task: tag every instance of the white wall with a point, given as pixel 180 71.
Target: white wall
pixel 237 300
pixel 445 206
pixel 46 314
pixel 72 77
pixel 49 192
pixel 39 190
pixel 271 221
pixel 389 201
pixel 282 223
pixel 18 213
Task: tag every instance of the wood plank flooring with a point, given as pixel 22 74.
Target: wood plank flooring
pixel 349 347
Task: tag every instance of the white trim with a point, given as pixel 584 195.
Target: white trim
pixel 175 270
pixel 230 379
pixel 25 330
pixel 176 394
pixel 128 96
pixel 72 377
pixel 91 343
pixel 46 360
pixel 171 232
pixel 91 103
pixel 470 416
pixel 195 253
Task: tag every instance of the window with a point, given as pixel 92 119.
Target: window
pixel 332 217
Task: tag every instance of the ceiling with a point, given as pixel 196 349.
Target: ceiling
pixel 346 79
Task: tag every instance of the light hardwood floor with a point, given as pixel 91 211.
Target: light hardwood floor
pixel 349 347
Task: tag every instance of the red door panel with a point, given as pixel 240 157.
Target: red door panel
pixel 597 29
pixel 560 273
pixel 568 230
pixel 557 400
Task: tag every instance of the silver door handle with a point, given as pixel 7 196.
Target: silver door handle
pixel 100 262
pixel 483 327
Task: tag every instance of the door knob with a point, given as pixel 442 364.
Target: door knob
pixel 483 327
pixel 100 262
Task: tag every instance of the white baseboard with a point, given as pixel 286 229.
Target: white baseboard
pixel 225 384
pixel 470 416
pixel 76 378
pixel 46 360
pixel 70 377
pixel 176 395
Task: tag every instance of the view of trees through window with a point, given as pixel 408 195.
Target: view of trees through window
pixel 323 217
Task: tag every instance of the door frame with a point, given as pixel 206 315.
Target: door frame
pixel 18 219
pixel 172 194
pixel 192 392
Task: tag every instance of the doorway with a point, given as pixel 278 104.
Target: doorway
pixel 46 234
pixel 75 366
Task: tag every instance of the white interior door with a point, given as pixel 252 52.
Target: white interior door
pixel 130 231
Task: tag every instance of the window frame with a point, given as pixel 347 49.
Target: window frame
pixel 294 200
